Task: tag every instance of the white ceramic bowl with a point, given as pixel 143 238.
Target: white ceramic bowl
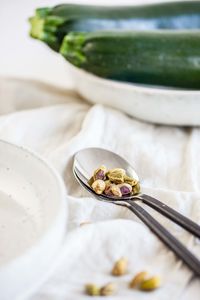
pixel 32 220
pixel 152 104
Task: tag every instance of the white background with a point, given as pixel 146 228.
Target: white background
pixel 22 56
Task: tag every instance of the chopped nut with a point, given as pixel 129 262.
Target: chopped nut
pixel 136 189
pixel 151 283
pixel 113 182
pixel 112 189
pixel 108 183
pixel 138 279
pixel 115 190
pixel 120 267
pixel 116 175
pixel 125 188
pixel 90 181
pixel 107 190
pixel 98 186
pixel 108 289
pixel 92 290
pixel 130 180
pixel 100 173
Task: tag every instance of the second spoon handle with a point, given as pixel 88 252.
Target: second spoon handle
pixel 177 247
pixel 171 214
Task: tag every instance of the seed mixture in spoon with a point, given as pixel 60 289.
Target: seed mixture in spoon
pixel 114 182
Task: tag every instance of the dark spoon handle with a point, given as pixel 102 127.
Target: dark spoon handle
pixel 171 214
pixel 177 247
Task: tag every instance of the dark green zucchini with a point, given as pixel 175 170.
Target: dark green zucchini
pixel 52 24
pixel 162 57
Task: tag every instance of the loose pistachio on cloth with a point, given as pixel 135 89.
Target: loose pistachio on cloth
pixel 144 282
pixel 92 289
pixel 108 289
pixel 120 267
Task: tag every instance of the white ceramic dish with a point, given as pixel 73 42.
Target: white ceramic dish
pixel 151 104
pixel 32 220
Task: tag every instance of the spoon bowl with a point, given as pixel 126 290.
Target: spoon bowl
pixel 89 159
pixel 112 199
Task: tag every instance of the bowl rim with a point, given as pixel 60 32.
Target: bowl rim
pixel 132 86
pixel 62 206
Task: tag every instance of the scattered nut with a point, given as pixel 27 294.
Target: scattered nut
pixel 120 267
pixel 100 173
pixel 92 290
pixel 98 186
pixel 108 289
pixel 138 279
pixel 125 188
pixel 150 284
pixel 116 175
pixel 130 180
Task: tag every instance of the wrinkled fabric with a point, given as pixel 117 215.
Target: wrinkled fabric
pixel 56 123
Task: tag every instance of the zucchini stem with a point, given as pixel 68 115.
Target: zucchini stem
pixel 72 48
pixel 45 29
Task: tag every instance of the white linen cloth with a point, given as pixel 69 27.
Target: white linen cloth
pixel 56 123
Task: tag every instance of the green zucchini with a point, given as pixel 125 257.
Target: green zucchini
pixel 162 57
pixel 52 24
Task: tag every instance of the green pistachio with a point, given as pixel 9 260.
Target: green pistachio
pixel 108 289
pixel 138 279
pixel 98 186
pixel 115 190
pixel 90 181
pixel 116 175
pixel 100 173
pixel 136 189
pixel 130 180
pixel 120 267
pixel 151 283
pixel 92 290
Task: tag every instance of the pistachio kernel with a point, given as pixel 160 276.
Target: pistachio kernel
pixel 115 190
pixel 108 183
pixel 90 181
pixel 138 279
pixel 100 173
pixel 120 267
pixel 116 175
pixel 130 180
pixel 98 186
pixel 92 289
pixel 125 188
pixel 150 284
pixel 108 289
pixel 136 189
pixel 107 190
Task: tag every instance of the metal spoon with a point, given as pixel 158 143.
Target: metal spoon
pixel 87 160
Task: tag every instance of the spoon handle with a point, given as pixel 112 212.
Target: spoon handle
pixel 171 214
pixel 163 234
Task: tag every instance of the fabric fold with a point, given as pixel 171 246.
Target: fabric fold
pixel 57 123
